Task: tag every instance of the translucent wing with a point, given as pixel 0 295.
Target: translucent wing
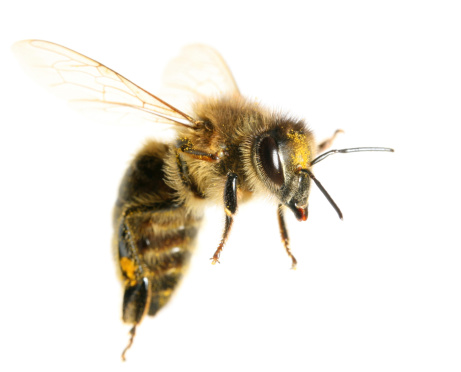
pixel 198 71
pixel 89 85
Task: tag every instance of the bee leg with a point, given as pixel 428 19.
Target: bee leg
pixel 325 145
pixel 136 299
pixel 130 342
pixel 284 234
pixel 230 207
pixel 187 148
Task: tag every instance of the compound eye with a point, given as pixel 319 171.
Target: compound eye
pixel 268 152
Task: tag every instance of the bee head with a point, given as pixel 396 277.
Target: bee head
pixel 281 157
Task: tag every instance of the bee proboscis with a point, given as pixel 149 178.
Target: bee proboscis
pixel 226 150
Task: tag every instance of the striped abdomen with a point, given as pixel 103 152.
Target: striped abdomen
pixel 154 235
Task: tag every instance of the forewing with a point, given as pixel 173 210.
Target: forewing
pixel 197 72
pixel 91 86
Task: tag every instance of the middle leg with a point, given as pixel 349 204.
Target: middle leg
pixel 230 207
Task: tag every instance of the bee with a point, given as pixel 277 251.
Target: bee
pixel 226 149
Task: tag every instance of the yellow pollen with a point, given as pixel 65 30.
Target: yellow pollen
pixel 301 152
pixel 128 267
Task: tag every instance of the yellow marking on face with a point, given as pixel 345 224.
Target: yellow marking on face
pixel 301 155
pixel 128 267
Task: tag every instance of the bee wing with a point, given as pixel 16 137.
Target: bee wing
pixel 198 71
pixel 89 85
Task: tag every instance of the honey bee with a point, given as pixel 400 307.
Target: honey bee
pixel 226 149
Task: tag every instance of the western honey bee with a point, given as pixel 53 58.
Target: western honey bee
pixel 226 150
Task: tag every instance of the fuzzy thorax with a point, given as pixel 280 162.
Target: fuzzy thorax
pixel 231 129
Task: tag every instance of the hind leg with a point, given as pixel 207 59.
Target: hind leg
pixel 136 299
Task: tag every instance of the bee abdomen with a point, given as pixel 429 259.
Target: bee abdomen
pixel 166 257
pixel 155 234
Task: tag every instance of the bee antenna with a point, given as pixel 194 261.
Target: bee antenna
pixel 324 192
pixel 346 151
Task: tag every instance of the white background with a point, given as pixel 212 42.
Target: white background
pixel 378 291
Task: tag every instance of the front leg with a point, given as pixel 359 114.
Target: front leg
pixel 186 147
pixel 230 207
pixel 325 145
pixel 284 234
